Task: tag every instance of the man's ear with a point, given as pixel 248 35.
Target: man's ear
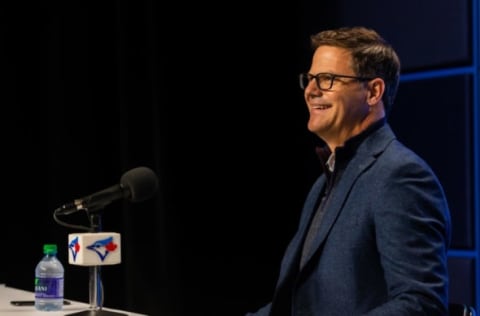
pixel 376 89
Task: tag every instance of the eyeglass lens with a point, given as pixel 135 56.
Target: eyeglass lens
pixel 323 81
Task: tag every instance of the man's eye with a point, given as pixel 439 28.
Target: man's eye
pixel 325 78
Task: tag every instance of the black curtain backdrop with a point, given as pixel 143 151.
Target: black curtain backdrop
pixel 206 96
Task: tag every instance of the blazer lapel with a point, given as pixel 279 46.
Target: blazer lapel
pixel 334 205
pixel 366 155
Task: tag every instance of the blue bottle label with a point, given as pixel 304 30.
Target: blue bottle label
pixel 48 287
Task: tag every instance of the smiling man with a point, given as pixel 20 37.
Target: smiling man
pixel 375 227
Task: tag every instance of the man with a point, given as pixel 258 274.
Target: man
pixel 375 228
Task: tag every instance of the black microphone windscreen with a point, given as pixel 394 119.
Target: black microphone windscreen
pixel 141 182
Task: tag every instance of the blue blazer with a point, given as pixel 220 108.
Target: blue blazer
pixel 382 245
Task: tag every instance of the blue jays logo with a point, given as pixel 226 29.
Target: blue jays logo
pixel 74 247
pixel 103 247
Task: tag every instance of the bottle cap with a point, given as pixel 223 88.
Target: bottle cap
pixel 50 249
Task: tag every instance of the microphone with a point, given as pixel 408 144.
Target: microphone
pixel 135 185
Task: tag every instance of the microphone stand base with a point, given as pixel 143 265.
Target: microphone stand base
pixel 99 312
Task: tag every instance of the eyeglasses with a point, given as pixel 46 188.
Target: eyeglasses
pixel 324 80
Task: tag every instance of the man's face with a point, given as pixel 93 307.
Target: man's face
pixel 340 112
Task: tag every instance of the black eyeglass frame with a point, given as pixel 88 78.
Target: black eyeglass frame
pixel 303 82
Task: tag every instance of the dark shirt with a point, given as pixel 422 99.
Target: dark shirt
pixel 345 152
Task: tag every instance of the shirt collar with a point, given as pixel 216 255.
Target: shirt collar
pixel 328 158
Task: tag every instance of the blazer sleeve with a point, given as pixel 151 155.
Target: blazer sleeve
pixel 412 226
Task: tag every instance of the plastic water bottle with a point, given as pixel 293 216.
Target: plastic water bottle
pixel 49 278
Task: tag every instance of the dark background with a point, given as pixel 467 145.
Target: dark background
pixel 207 96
